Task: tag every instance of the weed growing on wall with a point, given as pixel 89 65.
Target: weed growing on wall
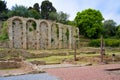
pixel 67 34
pixel 4 33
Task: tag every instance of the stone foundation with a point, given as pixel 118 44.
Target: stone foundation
pixel 9 64
pixel 38 62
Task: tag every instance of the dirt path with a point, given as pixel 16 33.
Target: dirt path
pixel 86 73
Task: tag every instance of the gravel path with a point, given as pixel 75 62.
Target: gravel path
pixel 42 67
pixel 86 73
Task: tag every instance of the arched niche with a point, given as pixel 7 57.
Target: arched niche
pixel 31 34
pixel 65 37
pixel 43 28
pixel 54 36
pixel 17 30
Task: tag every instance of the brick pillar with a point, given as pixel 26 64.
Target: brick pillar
pixel 38 35
pixel 10 33
pixel 70 37
pixel 60 36
pixel 49 36
pixel 24 35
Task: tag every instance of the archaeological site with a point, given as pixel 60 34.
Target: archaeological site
pixel 29 33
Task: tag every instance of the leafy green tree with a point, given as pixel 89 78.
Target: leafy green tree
pixel 3 6
pixel 53 16
pixel 36 7
pixel 118 31
pixel 34 11
pixel 62 17
pixel 109 28
pixel 71 23
pixel 89 23
pixel 46 9
pixel 24 12
pixel 3 10
pixel 18 11
pixel 34 14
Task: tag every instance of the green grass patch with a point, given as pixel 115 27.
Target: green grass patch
pixel 52 59
pixel 59 59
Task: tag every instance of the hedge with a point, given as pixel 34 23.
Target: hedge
pixel 107 43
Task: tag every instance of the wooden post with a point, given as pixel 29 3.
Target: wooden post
pixel 75 51
pixel 101 45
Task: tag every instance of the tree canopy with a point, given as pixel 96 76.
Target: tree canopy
pixel 46 9
pixel 62 17
pixel 89 23
pixel 36 7
pixel 24 12
pixel 109 28
pixel 3 10
pixel 18 10
pixel 118 31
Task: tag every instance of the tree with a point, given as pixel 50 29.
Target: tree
pixel 53 16
pixel 89 23
pixel 109 28
pixel 59 17
pixel 3 10
pixel 62 17
pixel 46 9
pixel 71 23
pixel 34 14
pixel 18 11
pixel 24 12
pixel 118 31
pixel 36 7
pixel 3 6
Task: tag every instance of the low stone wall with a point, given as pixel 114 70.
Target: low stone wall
pixel 9 64
pixel 38 62
pixel 4 44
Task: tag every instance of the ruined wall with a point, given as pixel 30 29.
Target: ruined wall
pixel 28 33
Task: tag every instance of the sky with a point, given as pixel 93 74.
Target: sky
pixel 110 9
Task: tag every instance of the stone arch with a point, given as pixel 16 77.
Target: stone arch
pixel 43 28
pixel 17 31
pixel 31 34
pixel 54 35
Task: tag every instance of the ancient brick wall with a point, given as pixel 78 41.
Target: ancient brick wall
pixel 28 33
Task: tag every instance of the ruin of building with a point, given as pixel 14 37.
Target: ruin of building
pixel 29 33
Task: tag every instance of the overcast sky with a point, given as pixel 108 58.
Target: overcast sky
pixel 110 9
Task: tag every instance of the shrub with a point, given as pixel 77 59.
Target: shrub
pixel 112 42
pixel 4 33
pixel 108 43
pixel 94 43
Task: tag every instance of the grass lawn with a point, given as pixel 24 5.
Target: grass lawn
pixel 68 54
pixel 52 59
pixel 59 59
